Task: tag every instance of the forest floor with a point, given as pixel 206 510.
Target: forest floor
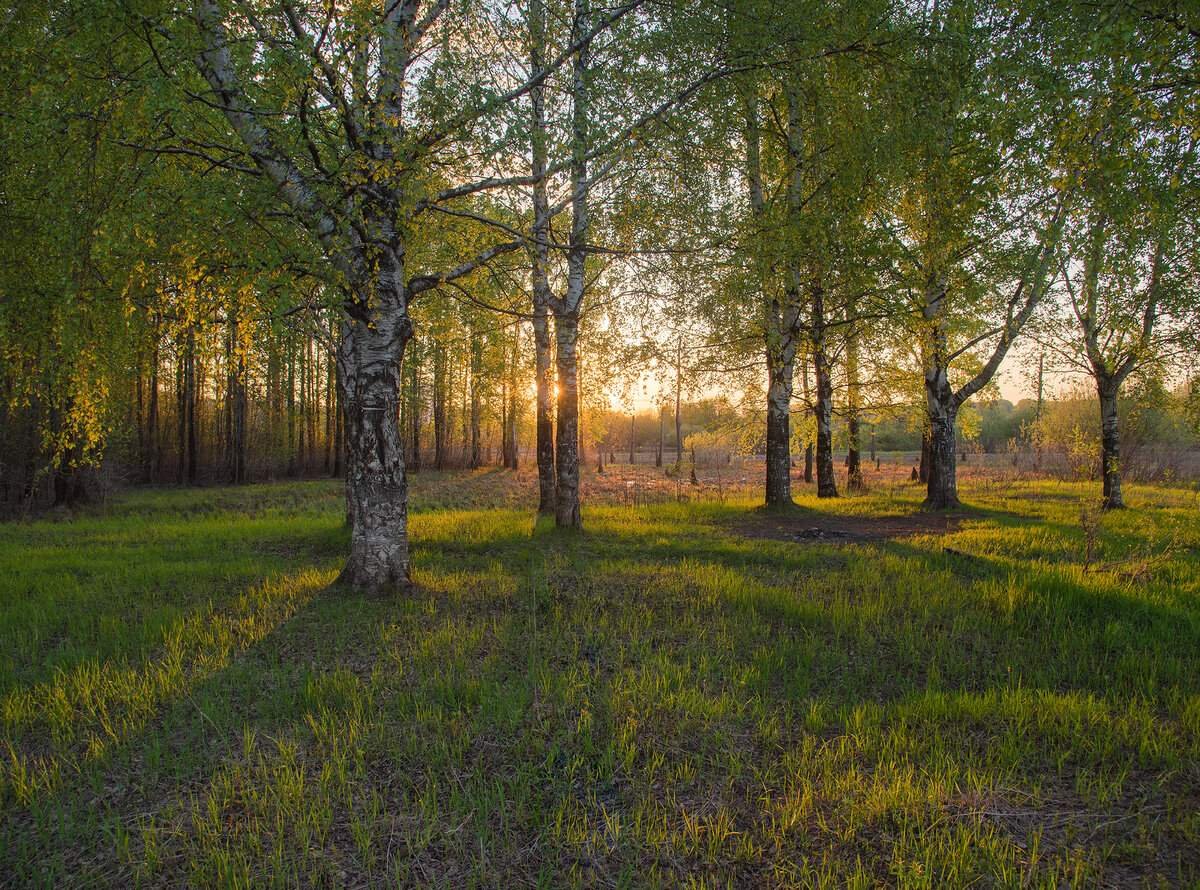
pixel 692 692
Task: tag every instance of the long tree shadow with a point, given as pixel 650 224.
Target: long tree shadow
pixel 633 699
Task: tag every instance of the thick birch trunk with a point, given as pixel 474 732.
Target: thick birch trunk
pixel 942 490
pixel 1110 444
pixel 369 378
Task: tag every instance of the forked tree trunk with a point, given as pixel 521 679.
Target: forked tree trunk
pixel 369 378
pixel 780 366
pixel 567 512
pixel 1110 444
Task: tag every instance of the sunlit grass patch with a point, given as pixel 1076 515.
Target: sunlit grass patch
pixel 659 701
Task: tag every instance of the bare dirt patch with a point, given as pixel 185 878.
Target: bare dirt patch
pixel 806 527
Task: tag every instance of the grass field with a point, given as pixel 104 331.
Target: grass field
pixel 693 694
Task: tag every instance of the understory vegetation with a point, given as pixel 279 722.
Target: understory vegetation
pixel 690 694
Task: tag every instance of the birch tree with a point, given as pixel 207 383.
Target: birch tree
pixel 362 121
pixel 1129 276
pixel 980 217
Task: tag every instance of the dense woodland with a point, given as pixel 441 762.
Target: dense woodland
pixel 253 239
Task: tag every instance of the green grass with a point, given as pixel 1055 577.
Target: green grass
pixel 659 701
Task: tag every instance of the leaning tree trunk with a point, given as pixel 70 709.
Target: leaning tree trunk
pixel 369 378
pixel 780 367
pixel 1110 444
pixel 942 490
pixel 566 511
